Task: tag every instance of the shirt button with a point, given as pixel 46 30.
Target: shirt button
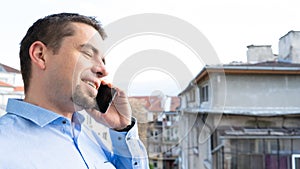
pixel 119 138
pixel 128 138
pixel 64 122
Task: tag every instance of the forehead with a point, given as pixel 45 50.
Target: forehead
pixel 86 34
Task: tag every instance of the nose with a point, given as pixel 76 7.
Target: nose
pixel 100 70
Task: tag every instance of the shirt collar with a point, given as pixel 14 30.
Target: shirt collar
pixel 37 114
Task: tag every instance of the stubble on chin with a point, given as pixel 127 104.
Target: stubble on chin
pixel 82 99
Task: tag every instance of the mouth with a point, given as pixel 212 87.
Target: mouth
pixel 92 84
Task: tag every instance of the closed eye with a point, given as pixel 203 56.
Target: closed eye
pixel 88 50
pixel 88 53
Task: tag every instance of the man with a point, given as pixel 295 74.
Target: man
pixel 62 67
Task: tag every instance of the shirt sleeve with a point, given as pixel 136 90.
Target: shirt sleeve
pixel 128 149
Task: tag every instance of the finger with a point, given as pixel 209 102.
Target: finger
pixel 107 83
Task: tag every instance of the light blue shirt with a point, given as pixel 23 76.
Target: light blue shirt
pixel 35 138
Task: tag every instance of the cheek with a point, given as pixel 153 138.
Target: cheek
pixel 84 62
pixel 82 65
pixel 72 67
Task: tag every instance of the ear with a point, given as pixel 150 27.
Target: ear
pixel 37 53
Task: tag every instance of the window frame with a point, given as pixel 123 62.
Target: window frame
pixel 204 93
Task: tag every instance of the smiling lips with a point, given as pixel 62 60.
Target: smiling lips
pixel 92 84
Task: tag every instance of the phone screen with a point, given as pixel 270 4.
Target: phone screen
pixel 105 97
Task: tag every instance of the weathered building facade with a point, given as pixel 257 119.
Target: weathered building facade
pixel 242 116
pixel 245 115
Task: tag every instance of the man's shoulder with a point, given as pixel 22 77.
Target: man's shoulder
pixel 9 123
pixel 7 119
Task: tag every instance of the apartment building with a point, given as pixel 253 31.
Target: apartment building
pixel 158 128
pixel 244 115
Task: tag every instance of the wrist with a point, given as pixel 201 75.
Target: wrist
pixel 128 127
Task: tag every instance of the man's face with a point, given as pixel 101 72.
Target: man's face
pixel 77 69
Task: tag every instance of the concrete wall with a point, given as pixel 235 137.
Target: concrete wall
pixel 194 141
pixel 262 92
pixel 291 121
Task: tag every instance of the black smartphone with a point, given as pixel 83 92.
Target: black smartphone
pixel 105 97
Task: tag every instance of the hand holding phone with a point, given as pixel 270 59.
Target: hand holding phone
pixel 105 97
pixel 120 114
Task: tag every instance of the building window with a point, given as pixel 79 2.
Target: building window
pixel 204 93
pixel 155 163
pixel 295 161
pixel 155 134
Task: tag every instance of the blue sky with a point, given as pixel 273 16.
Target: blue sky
pixel 229 25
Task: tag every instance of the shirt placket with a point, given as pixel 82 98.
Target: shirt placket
pixel 72 130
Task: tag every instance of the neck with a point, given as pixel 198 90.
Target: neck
pixel 60 109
